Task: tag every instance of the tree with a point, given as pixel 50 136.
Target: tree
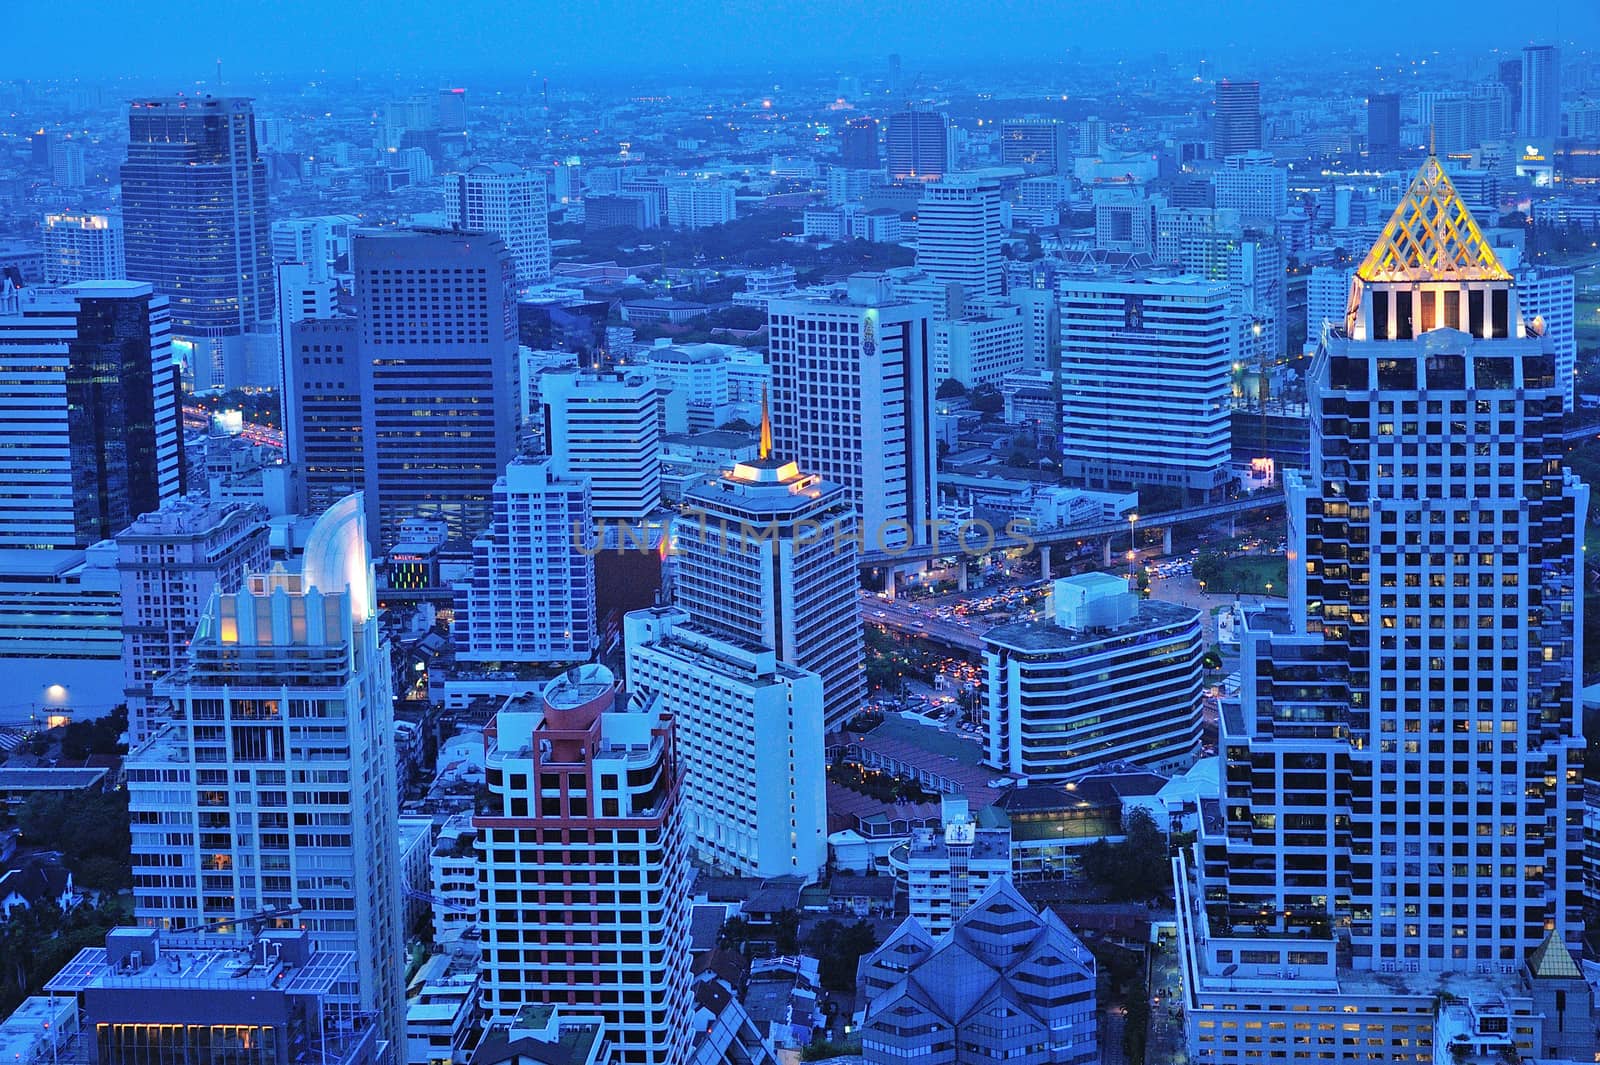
pixel 986 399
pixel 838 949
pixel 1137 867
pixel 89 828
pixel 950 388
pixel 786 931
pixel 733 934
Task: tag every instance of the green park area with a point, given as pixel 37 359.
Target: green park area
pixel 1242 574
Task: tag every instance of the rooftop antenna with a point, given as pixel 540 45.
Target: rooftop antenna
pixel 765 446
pixel 219 73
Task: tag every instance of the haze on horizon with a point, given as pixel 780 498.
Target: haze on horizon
pixel 182 41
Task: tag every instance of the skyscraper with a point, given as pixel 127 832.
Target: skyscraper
pixel 1541 94
pixel 171 560
pixel 1403 793
pixel 437 359
pixel 1383 123
pixel 1146 381
pixel 510 203
pixel 959 234
pixel 858 144
pixel 530 595
pixel 1511 77
pixel 1253 184
pixel 89 412
pixel 916 144
pixel 274 786
pixel 1043 145
pixel 324 435
pixel 852 402
pixel 768 553
pixel 749 735
pixel 585 868
pixel 605 427
pixel 83 247
pixel 194 208
pixel 1238 118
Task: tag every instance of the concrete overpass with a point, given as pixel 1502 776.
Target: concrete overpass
pixel 986 540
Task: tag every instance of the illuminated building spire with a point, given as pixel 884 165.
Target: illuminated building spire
pixel 765 447
pixel 1432 236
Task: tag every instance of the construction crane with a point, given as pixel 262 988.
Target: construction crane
pixel 440 901
pixel 254 922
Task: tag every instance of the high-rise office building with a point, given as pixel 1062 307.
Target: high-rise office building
pixel 749 740
pixel 274 785
pixel 91 416
pixel 852 402
pixel 1237 126
pixel 700 203
pixel 437 361
pixel 324 435
pixel 66 163
pixel 1253 184
pixel 605 428
pixel 1146 381
pixel 1383 123
pixel 1510 75
pixel 1547 296
pixel 916 144
pixel 530 595
pixel 1541 95
pixel 1042 145
pixel 858 144
pixel 305 290
pixel 585 870
pixel 1327 299
pixel 171 560
pixel 450 110
pixel 959 234
pixel 768 553
pixel 1109 677
pixel 1402 806
pixel 194 210
pixel 511 203
pixel 82 247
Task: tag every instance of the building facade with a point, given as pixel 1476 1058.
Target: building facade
pixel 171 561
pixel 852 401
pixel 959 234
pixel 584 877
pixel 530 597
pixel 766 553
pixel 195 224
pixel 511 203
pixel 1146 381
pixel 273 788
pixel 83 247
pixel 89 409
pixel 749 744
pixel 1401 806
pixel 437 350
pixel 1109 678
pixel 605 427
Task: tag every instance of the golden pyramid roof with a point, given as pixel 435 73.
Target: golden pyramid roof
pixel 1552 959
pixel 1432 237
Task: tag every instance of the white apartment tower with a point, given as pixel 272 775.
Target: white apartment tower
pixel 274 787
pixel 509 202
pixel 749 743
pixel 1401 809
pixel 959 234
pixel 1146 381
pixel 172 560
pixel 605 427
pixel 530 595
pixel 583 884
pixel 82 247
pixel 852 402
pixel 767 554
pixel 1254 185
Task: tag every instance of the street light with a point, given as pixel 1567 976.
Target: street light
pixel 1269 587
pixel 1133 549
